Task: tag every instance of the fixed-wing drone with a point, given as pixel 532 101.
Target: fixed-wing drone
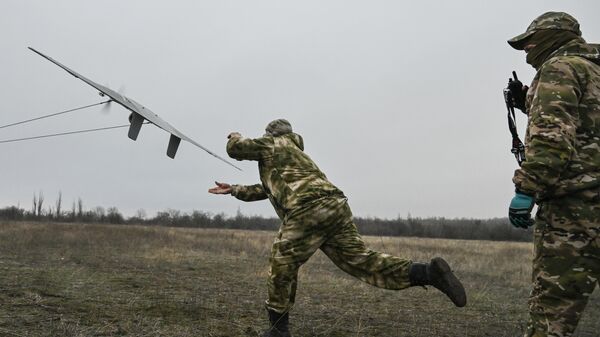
pixel 139 114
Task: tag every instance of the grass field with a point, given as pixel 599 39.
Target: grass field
pixel 106 280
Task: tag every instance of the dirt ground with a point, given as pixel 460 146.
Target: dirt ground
pixel 107 280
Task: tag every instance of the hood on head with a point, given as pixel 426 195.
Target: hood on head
pixel 281 127
pixel 278 127
pixel 297 139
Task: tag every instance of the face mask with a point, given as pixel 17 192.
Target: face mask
pixel 546 42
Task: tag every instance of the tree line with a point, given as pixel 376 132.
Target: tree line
pixel 497 229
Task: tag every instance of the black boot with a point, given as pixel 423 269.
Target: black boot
pixel 437 273
pixel 279 325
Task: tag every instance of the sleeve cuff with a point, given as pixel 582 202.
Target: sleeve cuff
pixel 234 190
pixel 529 194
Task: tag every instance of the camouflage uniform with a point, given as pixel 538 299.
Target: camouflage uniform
pixel 562 170
pixel 315 215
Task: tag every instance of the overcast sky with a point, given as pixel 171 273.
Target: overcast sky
pixel 399 102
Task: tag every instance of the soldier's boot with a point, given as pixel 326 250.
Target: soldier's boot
pixel 438 274
pixel 279 325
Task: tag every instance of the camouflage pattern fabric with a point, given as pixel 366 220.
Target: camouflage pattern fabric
pixel 545 43
pixel 326 224
pixel 562 170
pixel 315 215
pixel 289 178
pixel 548 20
pixel 278 127
pixel 562 144
pixel 566 267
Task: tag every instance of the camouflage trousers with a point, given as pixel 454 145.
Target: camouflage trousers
pixel 566 266
pixel 326 224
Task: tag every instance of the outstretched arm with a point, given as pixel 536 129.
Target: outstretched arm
pixel 241 148
pixel 244 193
pixel 221 188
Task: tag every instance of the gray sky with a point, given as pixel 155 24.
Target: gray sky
pixel 399 102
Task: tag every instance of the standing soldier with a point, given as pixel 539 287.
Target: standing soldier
pixel 315 215
pixel 561 171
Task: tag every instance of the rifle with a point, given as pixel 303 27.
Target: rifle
pixel 518 148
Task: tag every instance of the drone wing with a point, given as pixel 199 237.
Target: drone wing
pixel 139 114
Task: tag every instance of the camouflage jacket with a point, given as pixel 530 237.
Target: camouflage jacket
pixel 289 178
pixel 562 143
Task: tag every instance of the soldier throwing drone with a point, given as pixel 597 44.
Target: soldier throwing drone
pixel 315 215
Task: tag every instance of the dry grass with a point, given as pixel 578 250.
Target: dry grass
pixel 101 280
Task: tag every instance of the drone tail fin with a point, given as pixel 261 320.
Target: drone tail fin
pixel 136 121
pixel 173 145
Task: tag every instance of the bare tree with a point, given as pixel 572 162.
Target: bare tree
pixel 100 213
pixel 140 213
pixel 40 203
pixel 79 208
pixel 58 205
pixel 34 207
pixel 114 216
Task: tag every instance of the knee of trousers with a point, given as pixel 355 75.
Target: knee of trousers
pixel 567 290
pixel 282 273
pixel 555 309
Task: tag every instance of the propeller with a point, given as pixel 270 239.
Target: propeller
pixel 106 108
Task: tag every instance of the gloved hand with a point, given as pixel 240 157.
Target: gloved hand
pixel 519 211
pixel 518 92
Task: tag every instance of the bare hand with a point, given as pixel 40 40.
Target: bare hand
pixel 221 188
pixel 234 135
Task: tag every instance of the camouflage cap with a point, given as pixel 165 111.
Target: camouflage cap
pixel 548 20
pixel 278 127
